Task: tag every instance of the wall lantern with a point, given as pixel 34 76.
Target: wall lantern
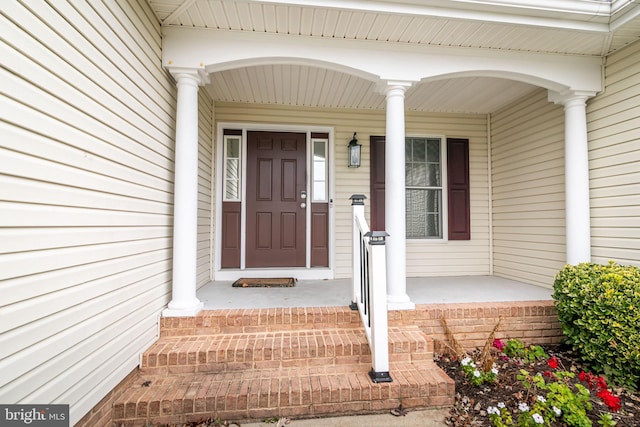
pixel 354 152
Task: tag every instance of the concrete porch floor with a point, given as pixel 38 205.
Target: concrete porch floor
pixel 331 293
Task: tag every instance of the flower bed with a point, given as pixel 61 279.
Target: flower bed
pixel 517 385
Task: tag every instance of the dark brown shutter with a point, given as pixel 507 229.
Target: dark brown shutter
pixel 377 183
pixel 458 191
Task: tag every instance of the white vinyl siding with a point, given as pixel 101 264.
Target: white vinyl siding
pixel 613 125
pixel 423 258
pixel 86 184
pixel 528 190
pixel 205 187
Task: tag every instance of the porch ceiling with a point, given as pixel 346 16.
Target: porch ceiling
pixel 307 86
pixel 575 27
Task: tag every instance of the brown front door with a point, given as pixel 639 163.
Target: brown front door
pixel 276 220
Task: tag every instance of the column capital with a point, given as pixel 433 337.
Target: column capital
pixel 198 75
pixel 570 97
pixel 393 87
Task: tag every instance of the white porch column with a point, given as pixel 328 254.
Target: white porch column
pixel 576 161
pixel 394 204
pixel 185 205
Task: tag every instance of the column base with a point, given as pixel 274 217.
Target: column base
pixel 400 302
pixel 380 377
pixel 183 311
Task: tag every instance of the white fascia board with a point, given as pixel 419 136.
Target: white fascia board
pixel 218 50
pixel 592 16
pixel 619 5
pixel 624 15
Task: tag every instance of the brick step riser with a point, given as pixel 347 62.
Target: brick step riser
pixel 254 397
pixel 330 409
pixel 218 367
pixel 255 321
pixel 253 354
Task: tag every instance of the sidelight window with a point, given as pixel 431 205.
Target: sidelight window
pixel 232 168
pixel 320 170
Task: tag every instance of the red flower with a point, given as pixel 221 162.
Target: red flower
pixel 553 362
pixel 497 343
pixel 602 385
pixel 589 378
pixel 612 401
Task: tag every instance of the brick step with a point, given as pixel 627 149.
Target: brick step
pixel 302 392
pixel 278 349
pixel 212 322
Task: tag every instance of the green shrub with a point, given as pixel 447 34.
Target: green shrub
pixel 599 310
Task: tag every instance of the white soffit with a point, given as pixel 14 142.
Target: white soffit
pixel 579 27
pixel 575 27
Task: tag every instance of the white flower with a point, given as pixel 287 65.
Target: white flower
pixel 477 374
pixel 465 361
pixel 473 365
pixel 523 407
pixel 494 371
pixel 501 405
pixel 538 418
pixel 541 399
pixel 557 411
pixel 493 410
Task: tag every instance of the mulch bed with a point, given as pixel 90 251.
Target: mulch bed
pixel 471 404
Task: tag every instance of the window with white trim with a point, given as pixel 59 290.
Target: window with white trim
pixel 424 188
pixel 232 167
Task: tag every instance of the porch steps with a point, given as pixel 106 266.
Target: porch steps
pixel 281 367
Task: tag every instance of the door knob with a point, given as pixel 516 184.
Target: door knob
pixel 303 205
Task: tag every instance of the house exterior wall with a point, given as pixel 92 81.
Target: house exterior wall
pixel 527 146
pixel 613 126
pixel 86 183
pixel 206 189
pixel 528 177
pixel 424 258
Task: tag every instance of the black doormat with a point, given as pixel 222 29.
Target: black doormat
pixel 278 282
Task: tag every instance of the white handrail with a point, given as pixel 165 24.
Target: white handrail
pixel 370 289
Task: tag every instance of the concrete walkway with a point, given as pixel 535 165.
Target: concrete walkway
pixel 426 418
